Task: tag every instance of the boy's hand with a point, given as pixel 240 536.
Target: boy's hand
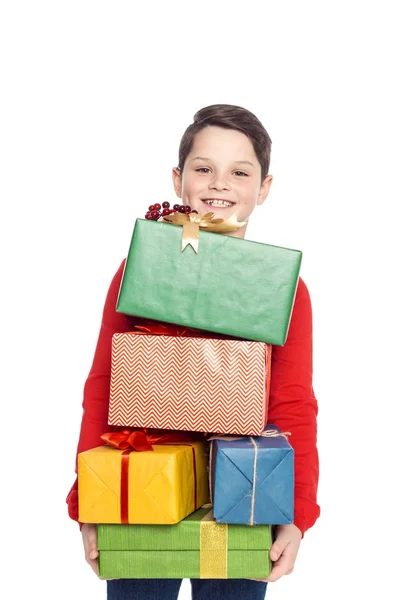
pixel 89 537
pixel 284 551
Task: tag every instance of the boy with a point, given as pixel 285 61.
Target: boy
pixel 223 168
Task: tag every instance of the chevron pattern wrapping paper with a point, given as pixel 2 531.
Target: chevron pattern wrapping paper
pixel 189 384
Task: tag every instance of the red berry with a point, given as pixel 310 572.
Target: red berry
pixel 151 207
pixel 188 209
pixel 195 211
pixel 176 206
pixel 166 205
pixel 155 214
pixel 166 212
pixel 172 211
pixel 182 209
pixel 148 215
pixel 157 206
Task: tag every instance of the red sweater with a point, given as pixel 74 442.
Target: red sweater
pixel 292 404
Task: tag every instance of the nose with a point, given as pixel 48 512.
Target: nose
pixel 218 183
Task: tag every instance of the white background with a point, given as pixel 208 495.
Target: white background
pixel 94 99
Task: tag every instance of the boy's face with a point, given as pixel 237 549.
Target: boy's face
pixel 222 175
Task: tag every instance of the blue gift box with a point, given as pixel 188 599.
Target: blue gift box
pixel 253 479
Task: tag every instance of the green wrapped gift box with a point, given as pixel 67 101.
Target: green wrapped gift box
pixel 197 548
pixel 230 286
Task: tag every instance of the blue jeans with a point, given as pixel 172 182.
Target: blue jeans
pixel 202 589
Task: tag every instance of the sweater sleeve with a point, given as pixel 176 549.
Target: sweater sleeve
pixel 293 406
pixel 97 386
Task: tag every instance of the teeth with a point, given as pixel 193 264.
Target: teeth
pixel 213 202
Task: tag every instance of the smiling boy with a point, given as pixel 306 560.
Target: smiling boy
pixel 223 167
pixel 221 174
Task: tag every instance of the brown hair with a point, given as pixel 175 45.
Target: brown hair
pixel 229 117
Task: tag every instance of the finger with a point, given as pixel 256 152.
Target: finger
pixel 281 567
pixel 92 557
pixel 277 548
pixel 90 544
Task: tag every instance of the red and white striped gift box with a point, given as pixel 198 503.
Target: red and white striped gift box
pixel 190 384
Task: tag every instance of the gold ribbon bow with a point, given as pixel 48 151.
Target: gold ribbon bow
pixel 192 223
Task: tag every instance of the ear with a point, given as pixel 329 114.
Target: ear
pixel 264 189
pixel 177 181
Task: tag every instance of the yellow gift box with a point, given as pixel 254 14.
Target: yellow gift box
pixel 162 486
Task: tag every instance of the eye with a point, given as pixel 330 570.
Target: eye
pixel 241 173
pixel 203 170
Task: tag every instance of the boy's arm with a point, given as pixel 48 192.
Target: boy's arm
pixel 293 406
pixel 97 386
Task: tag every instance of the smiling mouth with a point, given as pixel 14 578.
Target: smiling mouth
pixel 218 203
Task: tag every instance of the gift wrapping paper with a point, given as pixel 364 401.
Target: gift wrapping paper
pixel 230 286
pixel 253 479
pixel 192 384
pixel 161 486
pixel 196 548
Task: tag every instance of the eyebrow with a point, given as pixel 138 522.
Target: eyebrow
pixel 237 162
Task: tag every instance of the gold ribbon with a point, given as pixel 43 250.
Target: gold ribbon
pixel 231 438
pixel 192 223
pixel 213 548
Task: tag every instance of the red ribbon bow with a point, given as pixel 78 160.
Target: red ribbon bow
pixel 141 440
pixel 158 328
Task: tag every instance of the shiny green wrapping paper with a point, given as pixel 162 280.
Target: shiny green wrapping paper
pixel 231 286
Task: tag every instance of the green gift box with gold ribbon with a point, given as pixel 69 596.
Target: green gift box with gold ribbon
pixel 195 276
pixel 196 548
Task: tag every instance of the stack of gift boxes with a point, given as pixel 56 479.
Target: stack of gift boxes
pixel 193 479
